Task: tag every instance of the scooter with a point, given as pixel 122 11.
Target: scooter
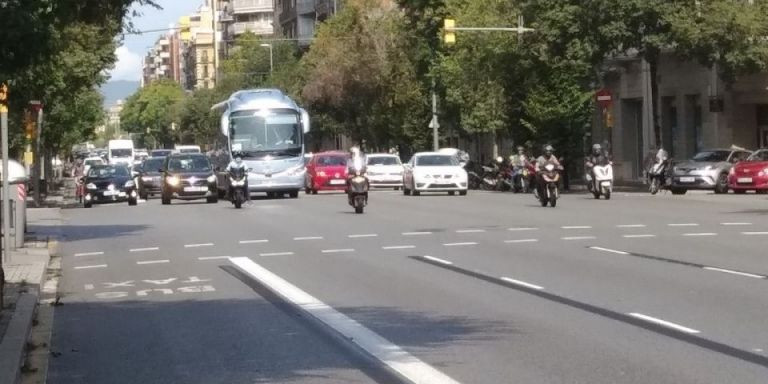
pixel 358 186
pixel 238 184
pixel 602 183
pixel 549 191
pixel 657 176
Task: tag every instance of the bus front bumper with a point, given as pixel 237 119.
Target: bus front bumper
pixel 276 183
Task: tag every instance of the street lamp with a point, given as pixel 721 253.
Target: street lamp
pixel 271 58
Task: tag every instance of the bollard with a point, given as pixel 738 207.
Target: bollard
pixel 20 215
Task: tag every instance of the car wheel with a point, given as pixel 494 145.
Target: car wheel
pixel 397 188
pixel 463 193
pixel 416 193
pixel 132 201
pixel 293 194
pixel 722 184
pixel 760 191
pixel 212 199
pixel 678 191
pixel 451 193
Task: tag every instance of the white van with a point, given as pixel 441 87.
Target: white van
pixel 120 152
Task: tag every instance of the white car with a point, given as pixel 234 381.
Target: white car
pixel 434 172
pixel 384 170
pixel 91 161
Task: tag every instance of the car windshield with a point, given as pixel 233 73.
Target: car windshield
pixel 189 164
pixel 121 152
pixel 436 160
pixel 108 171
pixel 152 165
pixel 712 156
pixel 761 155
pixel 94 162
pixel 383 160
pixel 331 161
pixel 274 132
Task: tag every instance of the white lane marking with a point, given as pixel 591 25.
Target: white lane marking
pixel 308 238
pixel 522 283
pixel 609 250
pixel 198 245
pixel 204 258
pixel 88 254
pixel 754 233
pixel 523 229
pixel 665 323
pixel 89 287
pixel 362 235
pixel 275 254
pixel 631 226
pixel 735 272
pixel 416 233
pixel 153 262
pixel 253 241
pixel 700 234
pixel 638 236
pixel 683 225
pixel 398 247
pixel 577 227
pixel 578 238
pixel 521 241
pixel 735 224
pixel 438 260
pixel 343 250
pixel 459 244
pixel 91 266
pixel 393 356
pixel 143 249
pixel 470 230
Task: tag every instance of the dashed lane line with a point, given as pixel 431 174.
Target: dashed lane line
pixel 516 241
pixel 464 244
pixel 576 227
pixel 343 250
pixel 609 250
pixel 664 323
pixel 260 241
pixel 148 249
pixel 514 229
pixel 82 254
pixel 438 260
pixel 145 262
pixel 198 245
pixel 735 224
pixel 268 254
pixel 364 235
pixel 416 233
pixel 91 266
pixel 639 236
pixel 205 258
pixel 571 238
pixel 393 247
pixel 699 234
pixel 523 283
pixel 470 230
pixel 304 238
pixel 631 226
pixel 754 233
pixel 683 225
pixel 745 274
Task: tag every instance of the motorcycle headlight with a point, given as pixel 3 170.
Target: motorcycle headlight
pixel 549 167
pixel 237 183
pixel 211 179
pixel 172 181
pixel 129 184
pixel 111 187
pixel 91 186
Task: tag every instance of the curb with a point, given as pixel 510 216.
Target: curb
pixel 15 339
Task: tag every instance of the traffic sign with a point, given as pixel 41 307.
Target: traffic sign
pixel 604 98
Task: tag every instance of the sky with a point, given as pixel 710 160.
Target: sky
pixel 130 54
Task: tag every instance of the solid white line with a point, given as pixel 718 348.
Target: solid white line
pixel 576 227
pixel 735 272
pixel 754 233
pixel 212 258
pixel 362 236
pixel 683 225
pixel 521 241
pixel 308 238
pixel 399 247
pixel 459 244
pixel 198 245
pixel 91 266
pixel 609 250
pixel 523 283
pixel 470 231
pixel 253 241
pixel 337 250
pixel 523 229
pixel 393 356
pixel 88 254
pixel 630 226
pixel 578 238
pixel 143 249
pixel 153 262
pixel 700 234
pixel 416 233
pixel 638 236
pixel 438 260
pixel 663 322
pixel 735 224
pixel 276 254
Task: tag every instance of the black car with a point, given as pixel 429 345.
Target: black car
pixel 188 176
pixel 149 178
pixel 160 152
pixel 109 183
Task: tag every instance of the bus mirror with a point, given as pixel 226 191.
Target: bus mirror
pixel 225 124
pixel 304 120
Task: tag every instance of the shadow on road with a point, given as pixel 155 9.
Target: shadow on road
pixel 88 232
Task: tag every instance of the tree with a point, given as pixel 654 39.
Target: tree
pixel 197 123
pixel 151 111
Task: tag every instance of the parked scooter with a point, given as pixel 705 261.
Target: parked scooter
pixel 657 174
pixel 358 186
pixel 238 185
pixel 549 191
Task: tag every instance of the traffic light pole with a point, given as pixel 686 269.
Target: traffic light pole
pixel 6 257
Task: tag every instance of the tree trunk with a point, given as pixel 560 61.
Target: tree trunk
pixel 653 66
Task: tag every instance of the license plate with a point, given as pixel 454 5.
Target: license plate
pixel 195 189
pixel 687 179
pixel 338 182
pixel 744 180
pixel 110 193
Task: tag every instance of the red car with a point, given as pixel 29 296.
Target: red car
pixel 327 171
pixel 750 175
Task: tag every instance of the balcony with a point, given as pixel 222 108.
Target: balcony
pixel 251 6
pixel 304 7
pixel 163 42
pixel 165 55
pixel 258 28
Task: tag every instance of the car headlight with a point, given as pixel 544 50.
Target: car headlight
pixel 211 179
pixel 732 171
pixel 321 173
pixel 295 170
pixel 129 184
pixel 708 168
pixel 91 186
pixel 172 180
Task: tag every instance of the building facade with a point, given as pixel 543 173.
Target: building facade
pixel 158 62
pixel 298 18
pixel 235 17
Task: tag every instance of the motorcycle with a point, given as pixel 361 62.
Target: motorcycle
pixel 521 179
pixel 238 182
pixel 657 176
pixel 357 187
pixel 601 180
pixel 550 192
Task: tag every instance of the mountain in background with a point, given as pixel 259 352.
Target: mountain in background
pixel 118 89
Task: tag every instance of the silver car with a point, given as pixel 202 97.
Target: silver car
pixel 707 170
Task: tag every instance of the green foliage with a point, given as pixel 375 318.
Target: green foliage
pixel 198 124
pixel 151 110
pixel 72 120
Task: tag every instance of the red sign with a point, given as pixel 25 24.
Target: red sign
pixel 604 98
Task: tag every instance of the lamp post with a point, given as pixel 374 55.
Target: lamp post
pixel 271 57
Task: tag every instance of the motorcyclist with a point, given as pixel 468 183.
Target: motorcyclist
pixel 520 159
pixel 597 157
pixel 355 159
pixel 546 158
pixel 237 163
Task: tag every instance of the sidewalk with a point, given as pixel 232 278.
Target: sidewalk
pixel 25 275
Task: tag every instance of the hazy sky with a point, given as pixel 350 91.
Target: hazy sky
pixel 129 56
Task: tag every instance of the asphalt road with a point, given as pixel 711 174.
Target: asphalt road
pixel 487 288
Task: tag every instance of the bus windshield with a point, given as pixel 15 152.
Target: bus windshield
pixel 274 132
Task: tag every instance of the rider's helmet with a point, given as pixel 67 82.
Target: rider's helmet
pixel 520 150
pixel 549 150
pixel 596 149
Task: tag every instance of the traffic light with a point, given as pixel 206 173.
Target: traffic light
pixel 29 125
pixel 449 34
